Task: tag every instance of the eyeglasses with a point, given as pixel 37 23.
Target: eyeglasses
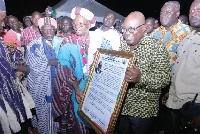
pixel 80 24
pixel 130 29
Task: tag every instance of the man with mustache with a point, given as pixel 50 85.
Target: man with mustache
pixel 172 31
pixel 186 72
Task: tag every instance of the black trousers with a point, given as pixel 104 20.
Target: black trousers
pixel 134 125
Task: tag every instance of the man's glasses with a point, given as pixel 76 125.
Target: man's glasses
pixel 130 29
pixel 79 24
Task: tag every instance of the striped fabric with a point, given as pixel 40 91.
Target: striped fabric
pixel 62 103
pixel 71 61
pixel 172 38
pixel 39 83
pixel 29 34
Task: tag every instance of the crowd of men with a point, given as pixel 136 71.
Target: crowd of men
pixel 44 67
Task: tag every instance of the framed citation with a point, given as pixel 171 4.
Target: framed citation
pixel 105 89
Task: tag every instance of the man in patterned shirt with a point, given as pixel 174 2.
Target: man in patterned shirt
pixel 145 79
pixel 186 73
pixel 172 31
pixel 32 32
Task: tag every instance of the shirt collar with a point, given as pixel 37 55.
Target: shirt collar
pixel 31 28
pixel 101 28
pixel 172 27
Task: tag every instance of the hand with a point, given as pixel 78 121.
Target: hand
pixel 79 95
pixel 164 98
pixel 133 74
pixel 53 62
pixel 22 68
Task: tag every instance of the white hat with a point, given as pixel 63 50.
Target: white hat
pixel 2 6
pixel 84 13
pixel 47 21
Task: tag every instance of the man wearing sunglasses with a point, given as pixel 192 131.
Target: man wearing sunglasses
pixel 145 78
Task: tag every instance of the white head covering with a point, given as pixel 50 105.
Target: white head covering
pixel 47 21
pixel 2 6
pixel 84 13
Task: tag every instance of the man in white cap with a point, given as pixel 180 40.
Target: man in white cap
pixel 88 42
pixel 77 58
pixel 41 58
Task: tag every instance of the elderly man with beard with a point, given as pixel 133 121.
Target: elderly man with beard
pixel 41 59
pixel 172 31
pixel 186 73
pixel 146 78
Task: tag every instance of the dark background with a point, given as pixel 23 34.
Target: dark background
pixel 150 8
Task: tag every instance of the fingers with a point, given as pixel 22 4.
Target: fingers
pixel 79 95
pixel 132 74
pixel 164 99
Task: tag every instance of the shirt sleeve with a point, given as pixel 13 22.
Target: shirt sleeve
pixel 159 75
pixel 24 38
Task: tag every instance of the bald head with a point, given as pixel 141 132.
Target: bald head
pixel 136 18
pixel 133 28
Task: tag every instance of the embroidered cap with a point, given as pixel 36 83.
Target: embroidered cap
pixel 47 21
pixel 84 13
pixel 2 6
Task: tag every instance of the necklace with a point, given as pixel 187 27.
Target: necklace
pixel 84 45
